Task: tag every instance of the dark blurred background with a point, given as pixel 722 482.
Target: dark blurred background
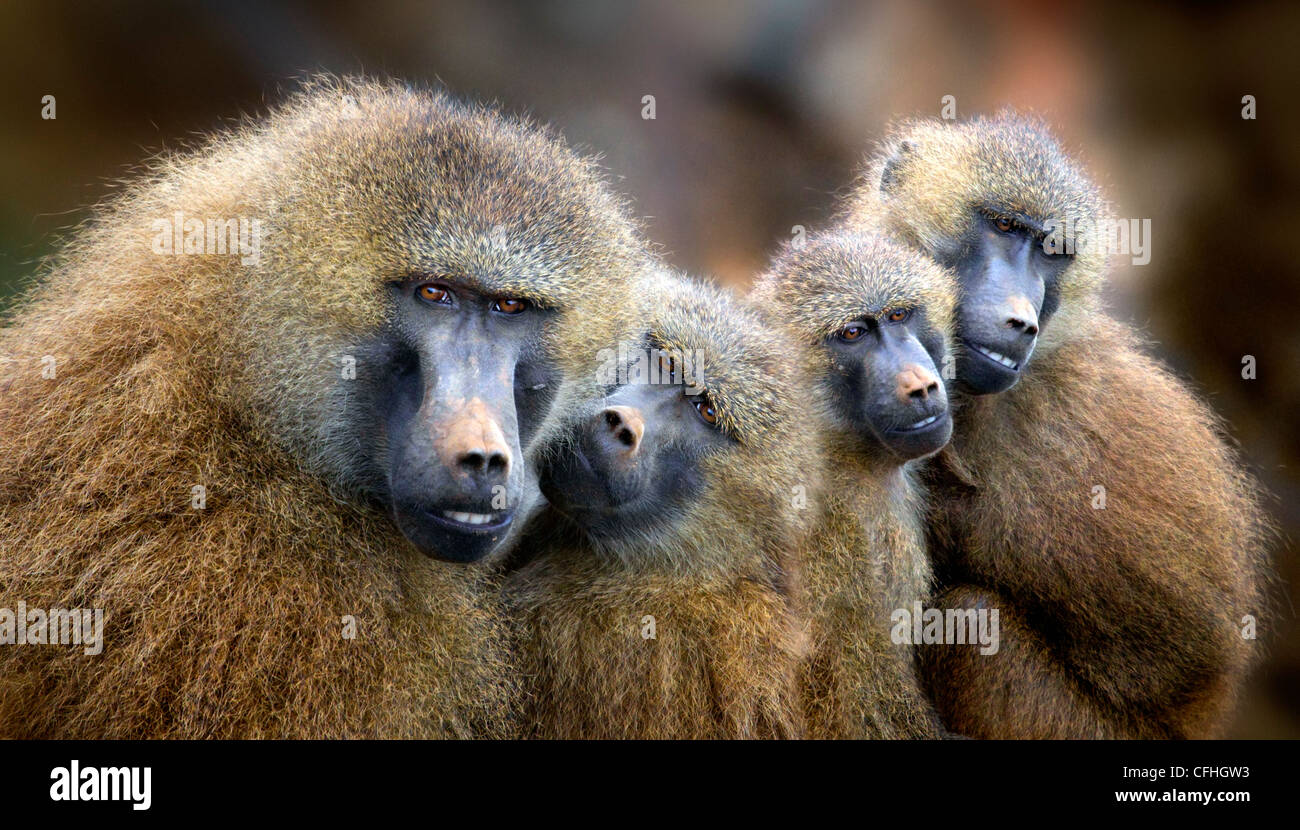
pixel 763 110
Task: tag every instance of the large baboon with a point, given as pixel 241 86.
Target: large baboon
pixel 878 316
pixel 660 601
pixel 251 458
pixel 1093 501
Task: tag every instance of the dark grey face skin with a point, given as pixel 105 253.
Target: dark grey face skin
pixel 633 465
pixel 465 386
pixel 885 384
pixel 1008 284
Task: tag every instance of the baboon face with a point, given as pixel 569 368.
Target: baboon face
pixel 998 202
pixel 708 429
pixel 886 384
pixel 635 463
pixel 467 385
pixel 422 267
pixel 879 315
pixel 1009 285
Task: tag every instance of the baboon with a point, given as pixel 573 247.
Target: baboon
pixel 1087 495
pixel 660 601
pixel 878 316
pixel 253 463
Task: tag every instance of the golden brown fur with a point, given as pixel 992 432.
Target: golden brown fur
pixel 1116 622
pixel 717 577
pixel 177 371
pixel 867 555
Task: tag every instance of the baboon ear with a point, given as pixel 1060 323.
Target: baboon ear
pixel 890 175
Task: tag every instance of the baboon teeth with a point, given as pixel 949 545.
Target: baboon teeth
pixel 924 422
pixel 468 518
pixel 1000 358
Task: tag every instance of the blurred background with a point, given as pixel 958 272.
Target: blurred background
pixel 762 112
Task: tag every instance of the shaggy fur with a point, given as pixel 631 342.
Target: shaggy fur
pixel 1116 622
pixel 867 556
pixel 177 371
pixel 716 576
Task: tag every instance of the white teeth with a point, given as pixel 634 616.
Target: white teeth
pixel 1000 358
pixel 924 422
pixel 467 518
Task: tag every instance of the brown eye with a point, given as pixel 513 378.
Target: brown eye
pixel 706 410
pixel 898 315
pixel 851 333
pixel 429 292
pixel 1004 223
pixel 510 306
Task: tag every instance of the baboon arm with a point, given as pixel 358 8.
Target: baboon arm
pixel 1118 522
pixel 1020 691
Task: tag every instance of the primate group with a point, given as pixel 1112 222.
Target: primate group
pixel 456 454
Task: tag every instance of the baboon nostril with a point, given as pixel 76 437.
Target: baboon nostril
pixel 470 442
pixel 1021 326
pixel 915 383
pixel 478 462
pixel 1022 316
pixel 626 426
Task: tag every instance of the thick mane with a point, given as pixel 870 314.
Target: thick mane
pixel 183 464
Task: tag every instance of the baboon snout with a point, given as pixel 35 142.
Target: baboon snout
pixel 1020 315
pixel 623 428
pixel 471 444
pixel 915 383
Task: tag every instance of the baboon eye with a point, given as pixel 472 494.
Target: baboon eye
pixel 706 410
pixel 510 306
pixel 898 315
pixel 1004 223
pixel 851 333
pixel 433 293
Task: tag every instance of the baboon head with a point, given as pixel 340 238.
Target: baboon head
pixel 879 317
pixel 420 261
pixel 701 442
pixel 998 201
